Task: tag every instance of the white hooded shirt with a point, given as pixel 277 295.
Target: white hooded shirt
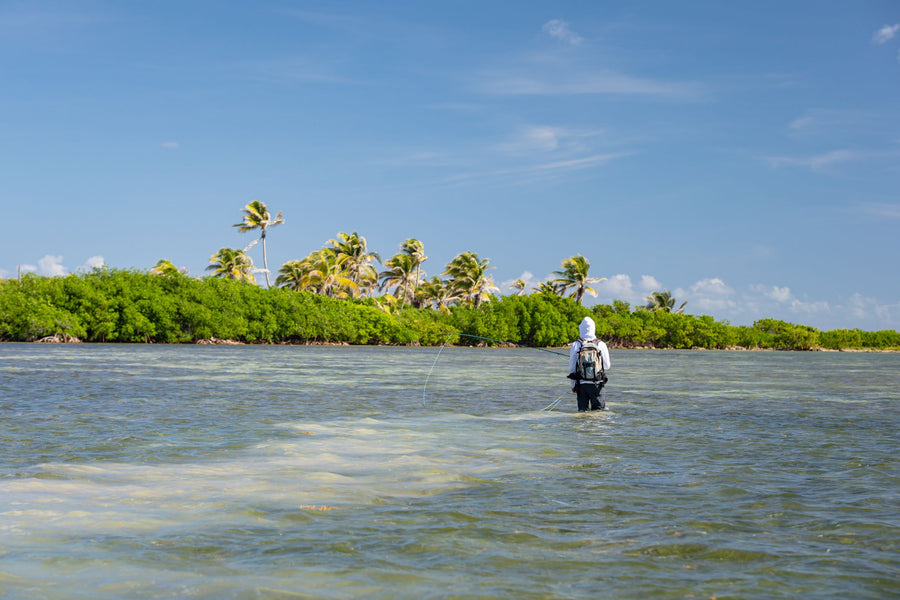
pixel 587 329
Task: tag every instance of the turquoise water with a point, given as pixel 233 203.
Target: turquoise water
pixel 320 472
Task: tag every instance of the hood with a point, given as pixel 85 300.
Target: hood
pixel 586 328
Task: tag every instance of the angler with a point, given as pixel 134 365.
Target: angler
pixel 588 361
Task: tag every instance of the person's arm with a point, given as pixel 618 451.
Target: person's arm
pixel 573 359
pixel 604 356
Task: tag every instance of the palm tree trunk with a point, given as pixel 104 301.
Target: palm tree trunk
pixel 265 259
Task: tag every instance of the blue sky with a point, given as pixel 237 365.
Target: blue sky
pixel 744 155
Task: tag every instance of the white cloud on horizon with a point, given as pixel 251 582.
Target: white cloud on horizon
pixel 94 262
pixel 617 287
pixel 51 266
pixel 776 293
pixel 559 29
pixel 713 296
pixel 885 34
pixel 649 283
pixel 531 282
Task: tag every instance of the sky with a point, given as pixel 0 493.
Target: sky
pixel 743 155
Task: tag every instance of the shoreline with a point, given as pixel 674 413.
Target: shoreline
pixel 230 342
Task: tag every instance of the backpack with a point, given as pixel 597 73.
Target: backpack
pixel 589 367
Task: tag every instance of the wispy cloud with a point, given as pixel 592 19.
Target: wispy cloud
pixel 545 138
pixel 886 34
pixel 871 125
pixel 884 210
pixel 817 162
pixel 169 145
pixel 329 20
pixel 297 69
pixel 559 30
pixel 34 21
pixel 601 82
pixel 531 171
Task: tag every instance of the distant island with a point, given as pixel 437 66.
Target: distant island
pixel 110 305
pixel 335 295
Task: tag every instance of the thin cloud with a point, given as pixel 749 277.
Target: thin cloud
pixel 587 162
pixel 544 138
pixel 604 82
pixel 296 69
pixel 29 23
pixel 559 30
pixel 329 20
pixel 886 34
pixel 814 163
pixel 169 145
pixel 878 209
pixel 844 123
pixel 867 309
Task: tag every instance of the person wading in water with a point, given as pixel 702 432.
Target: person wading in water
pixel 588 361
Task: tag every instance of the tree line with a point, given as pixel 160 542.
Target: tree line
pixel 345 268
pixel 337 295
pixel 112 305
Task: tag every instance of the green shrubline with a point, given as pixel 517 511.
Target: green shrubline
pixel 111 305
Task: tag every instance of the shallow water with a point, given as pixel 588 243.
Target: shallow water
pixel 322 472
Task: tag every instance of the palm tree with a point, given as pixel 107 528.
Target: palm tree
pixel 663 302
pixel 438 293
pixel 402 274
pixel 518 286
pixel 415 249
pixel 468 279
pixel 165 267
pixel 355 259
pixel 320 273
pixel 574 274
pixel 232 263
pixel 256 216
pixel 549 288
pixel 291 275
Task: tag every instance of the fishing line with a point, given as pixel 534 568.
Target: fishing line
pixel 481 337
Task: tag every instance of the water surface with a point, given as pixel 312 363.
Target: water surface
pixel 329 472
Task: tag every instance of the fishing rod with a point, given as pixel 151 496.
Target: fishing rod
pixel 481 337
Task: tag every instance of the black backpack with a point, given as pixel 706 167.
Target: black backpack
pixel 589 366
